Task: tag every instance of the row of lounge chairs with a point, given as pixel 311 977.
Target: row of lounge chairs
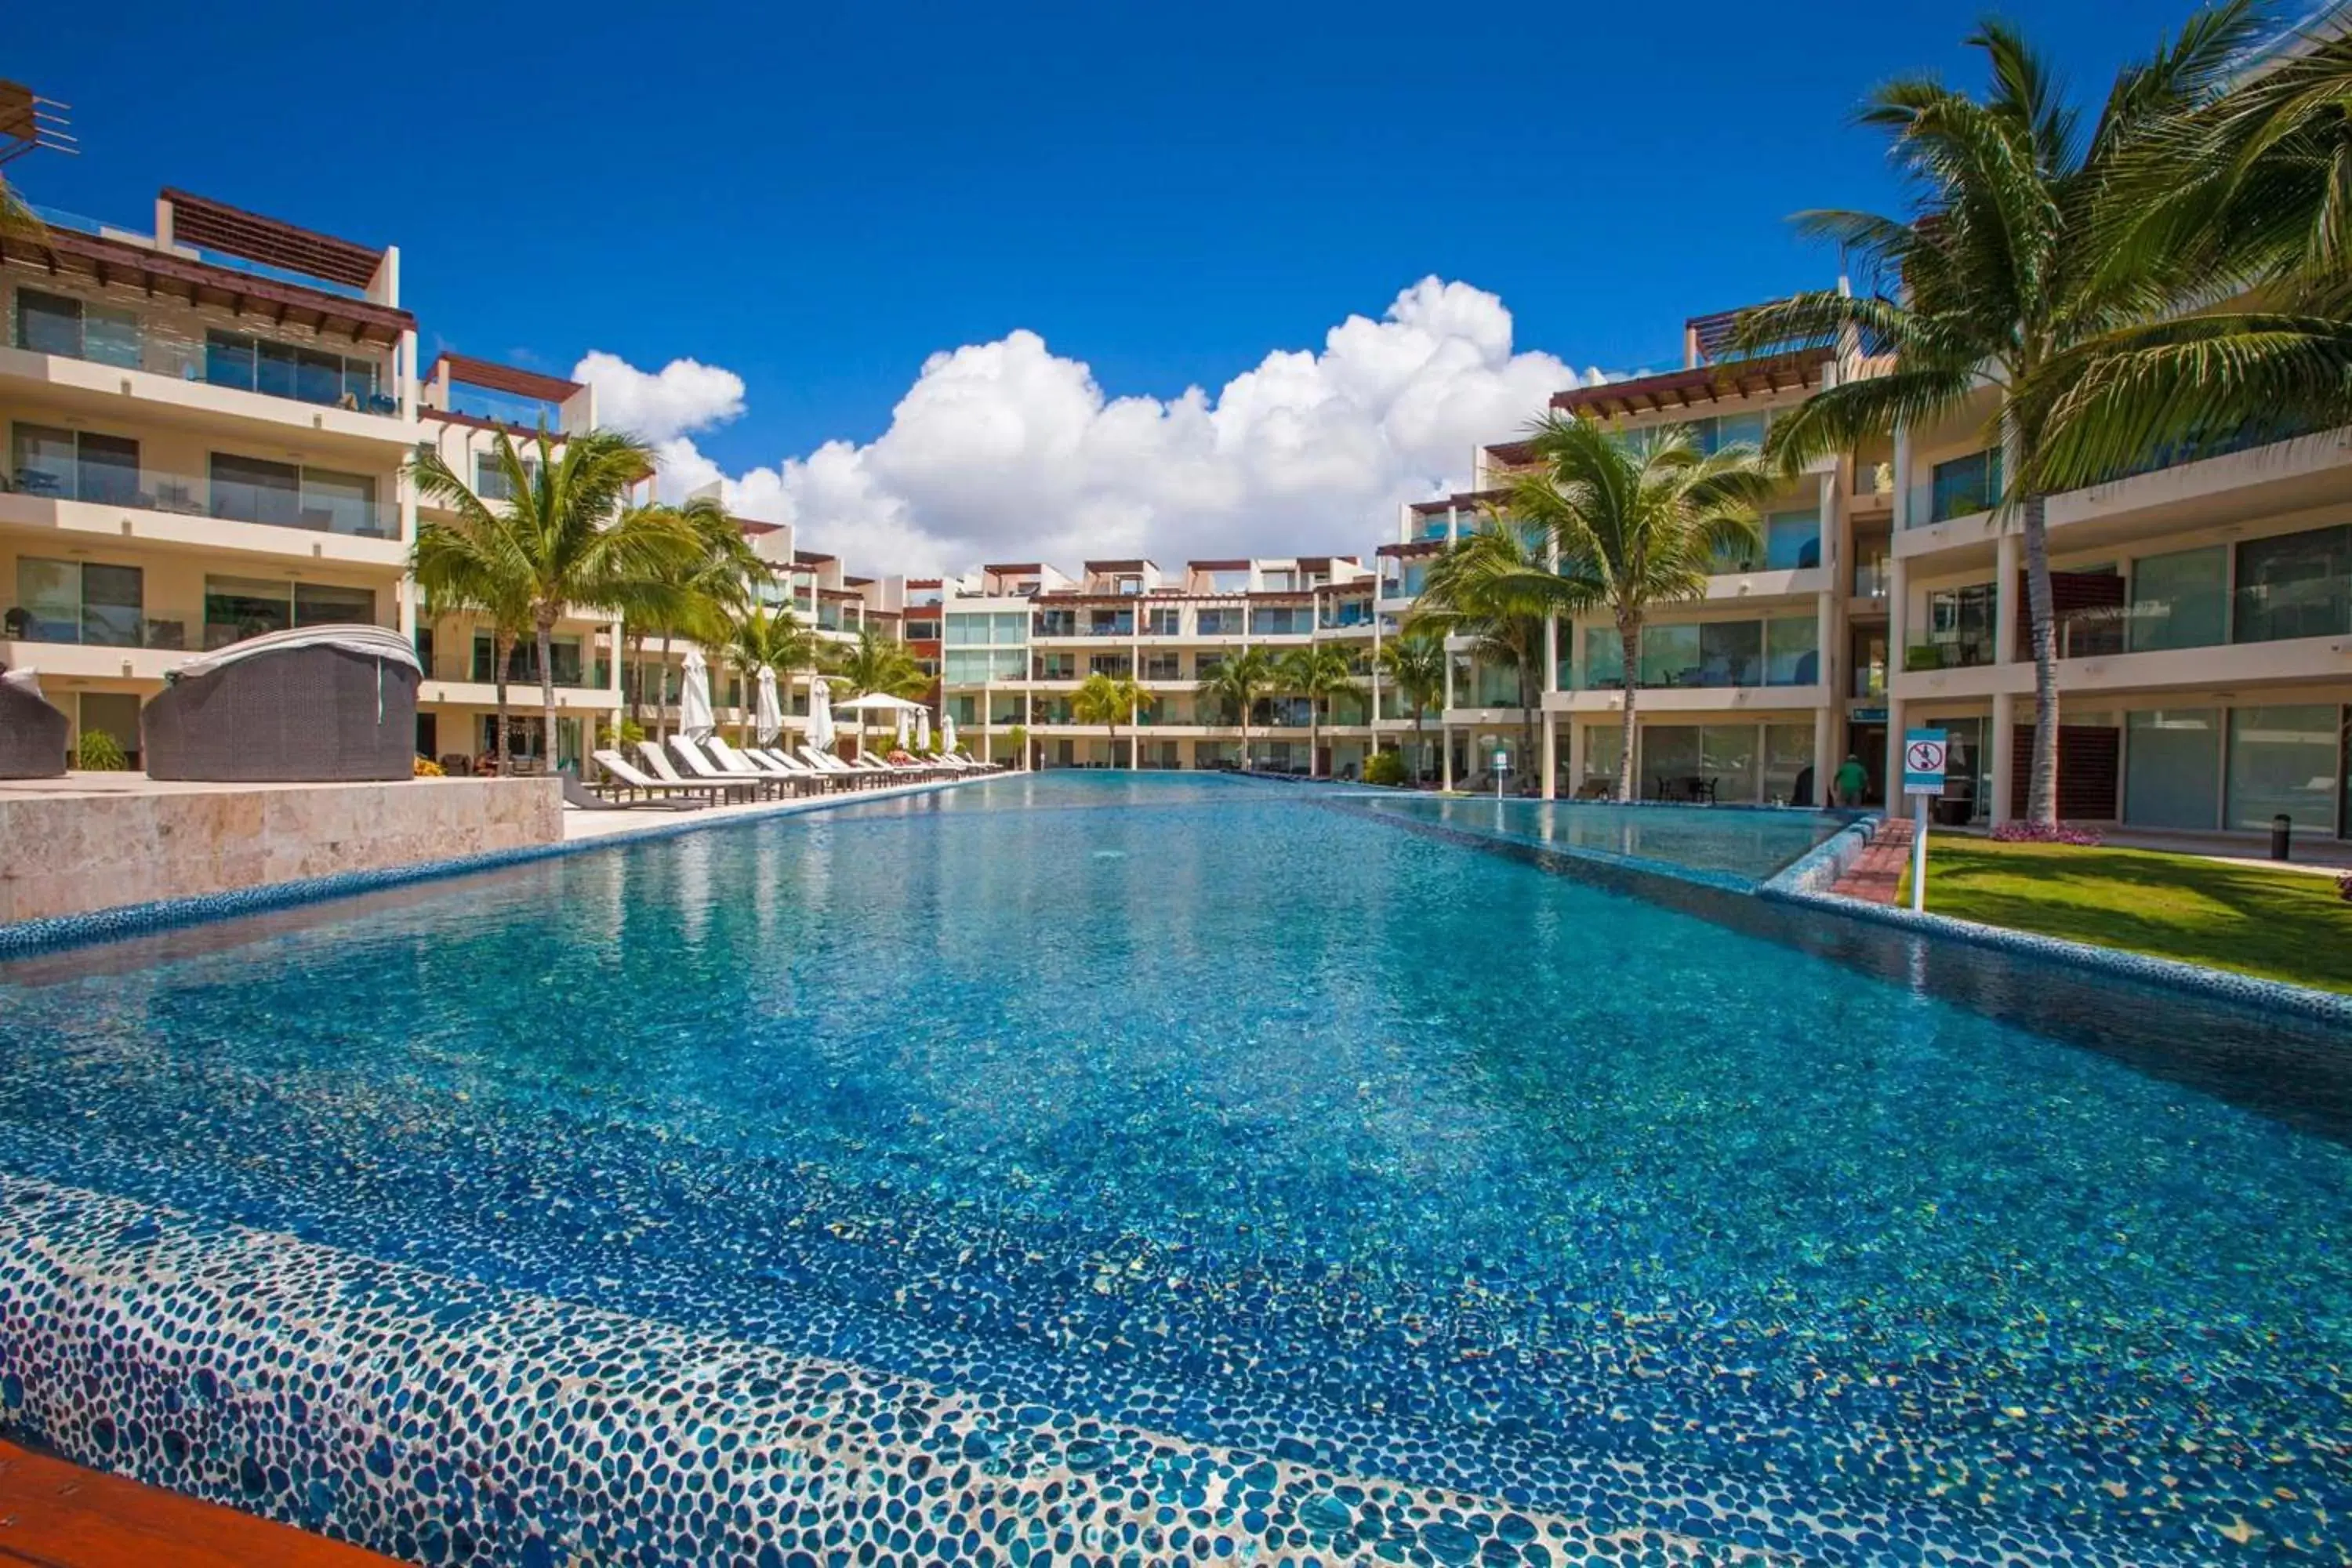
pixel 715 772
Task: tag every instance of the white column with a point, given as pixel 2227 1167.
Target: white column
pixel 1576 751
pixel 1835 652
pixel 2004 754
pixel 1550 754
pixel 1825 757
pixel 1901 478
pixel 1898 616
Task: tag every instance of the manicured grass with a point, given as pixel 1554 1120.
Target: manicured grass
pixel 2282 925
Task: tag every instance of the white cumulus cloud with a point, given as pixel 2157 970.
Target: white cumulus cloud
pixel 1007 450
pixel 684 395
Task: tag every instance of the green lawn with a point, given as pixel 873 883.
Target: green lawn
pixel 2282 925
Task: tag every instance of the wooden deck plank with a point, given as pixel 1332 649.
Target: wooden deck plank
pixel 56 1515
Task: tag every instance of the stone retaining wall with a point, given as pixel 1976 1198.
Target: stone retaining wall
pixel 68 852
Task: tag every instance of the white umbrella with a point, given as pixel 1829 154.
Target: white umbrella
pixel 946 733
pixel 902 729
pixel 878 702
pixel 820 724
pixel 768 717
pixel 922 730
pixel 694 702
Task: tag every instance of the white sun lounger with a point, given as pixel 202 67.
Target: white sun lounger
pixel 749 764
pixel 827 764
pixel 705 777
pixel 699 763
pixel 812 778
pixel 630 781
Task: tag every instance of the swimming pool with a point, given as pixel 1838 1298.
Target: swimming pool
pixel 1168 1166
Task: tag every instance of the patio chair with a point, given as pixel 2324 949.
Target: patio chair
pixel 759 763
pixel 653 791
pixel 33 735
pixel 580 797
pixel 826 763
pixel 312 704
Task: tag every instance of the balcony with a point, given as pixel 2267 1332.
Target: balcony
pixel 276 495
pixel 1963 652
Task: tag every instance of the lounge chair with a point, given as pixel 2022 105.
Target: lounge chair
pixel 812 779
pixel 700 765
pixel 657 763
pixel 580 797
pixel 744 765
pixel 312 704
pixel 651 790
pixel 33 735
pixel 826 763
pixel 891 771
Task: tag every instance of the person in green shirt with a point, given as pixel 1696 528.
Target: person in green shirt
pixel 1852 779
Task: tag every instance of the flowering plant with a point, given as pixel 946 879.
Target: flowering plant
pixel 2046 833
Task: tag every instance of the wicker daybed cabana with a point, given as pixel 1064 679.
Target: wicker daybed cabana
pixel 33 735
pixel 313 704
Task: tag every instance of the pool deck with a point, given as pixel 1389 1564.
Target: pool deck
pixel 56 1515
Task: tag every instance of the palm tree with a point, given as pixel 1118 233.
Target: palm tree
pixel 2012 272
pixel 1414 663
pixel 2240 192
pixel 563 537
pixel 1107 699
pixel 877 663
pixel 459 571
pixel 1236 684
pixel 1634 522
pixel 702 594
pixel 756 640
pixel 18 221
pixel 1319 672
pixel 1494 587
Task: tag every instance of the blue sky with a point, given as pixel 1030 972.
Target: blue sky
pixel 817 198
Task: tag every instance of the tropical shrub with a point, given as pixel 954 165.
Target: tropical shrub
pixel 2047 833
pixel 1017 739
pixel 1384 768
pixel 100 753
pixel 426 768
pixel 2344 885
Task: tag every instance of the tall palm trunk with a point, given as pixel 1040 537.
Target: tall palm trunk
pixel 1629 639
pixel 661 692
pixel 2042 788
pixel 636 645
pixel 1314 736
pixel 1420 745
pixel 501 650
pixel 1530 682
pixel 545 629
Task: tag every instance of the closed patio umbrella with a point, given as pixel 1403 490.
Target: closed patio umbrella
pixel 768 717
pixel 694 702
pixel 902 729
pixel 922 729
pixel 820 724
pixel 946 733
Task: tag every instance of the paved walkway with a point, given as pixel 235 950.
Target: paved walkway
pixel 56 1515
pixel 1876 875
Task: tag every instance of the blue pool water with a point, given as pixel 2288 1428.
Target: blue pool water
pixel 1240 1116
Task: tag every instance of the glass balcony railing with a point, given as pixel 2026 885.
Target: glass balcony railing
pixel 344 505
pixel 57 218
pixel 1870 578
pixel 1967 651
pixel 528 414
pixel 98 626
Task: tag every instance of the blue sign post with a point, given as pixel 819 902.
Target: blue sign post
pixel 1924 755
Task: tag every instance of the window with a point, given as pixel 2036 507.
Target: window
pixel 253 490
pixel 974 667
pixel 240 608
pixel 77 466
pixel 2285 761
pixel 966 630
pixel 1163 667
pixel 53 324
pixel 1792 651
pixel 1670 655
pixel 922 631
pixel 2172 767
pixel 490 476
pixel 1961 623
pixel 1793 541
pixel 1965 485
pixel 1281 620
pixel 2294 586
pixel 1787 757
pixel 1226 622
pixel 78 602
pixel 1111 624
pixel 1167 623
pixel 1057 624
pixel 2180 600
pixel 522 660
